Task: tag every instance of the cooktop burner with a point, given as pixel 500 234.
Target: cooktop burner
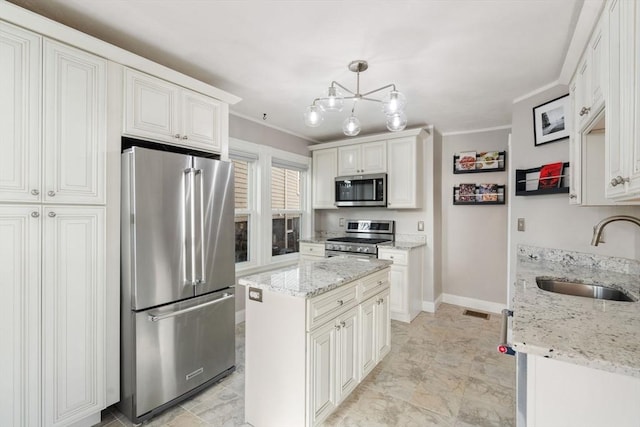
pixel 357 240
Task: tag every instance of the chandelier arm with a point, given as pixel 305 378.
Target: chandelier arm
pixel 370 99
pixel 325 98
pixel 380 88
pixel 342 87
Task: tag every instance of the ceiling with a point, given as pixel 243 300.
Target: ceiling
pixel 460 63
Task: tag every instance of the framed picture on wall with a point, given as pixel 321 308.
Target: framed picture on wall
pixel 551 121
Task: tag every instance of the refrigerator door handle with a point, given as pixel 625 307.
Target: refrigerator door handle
pixel 188 226
pixel 158 317
pixel 198 218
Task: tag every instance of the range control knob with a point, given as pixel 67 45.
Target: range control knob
pixel 358 249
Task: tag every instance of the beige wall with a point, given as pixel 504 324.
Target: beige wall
pixel 247 130
pixel 550 220
pixel 474 249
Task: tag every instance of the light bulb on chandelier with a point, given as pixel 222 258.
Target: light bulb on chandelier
pixel 392 105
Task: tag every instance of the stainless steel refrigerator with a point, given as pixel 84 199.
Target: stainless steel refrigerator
pixel 178 277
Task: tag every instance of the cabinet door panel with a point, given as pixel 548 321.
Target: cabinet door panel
pixel 20 315
pixel 325 168
pixel 349 160
pixel 20 76
pixel 151 107
pixel 374 157
pixel 347 355
pixel 368 333
pixel 398 279
pixel 73 311
pixel 402 162
pixel 74 125
pixel 200 121
pixel 383 318
pixel 322 369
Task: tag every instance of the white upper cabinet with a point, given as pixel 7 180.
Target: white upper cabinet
pixel 74 134
pixel 588 80
pixel 622 164
pixel 161 111
pixel 402 180
pixel 324 174
pixel 365 158
pixel 59 157
pixel 20 89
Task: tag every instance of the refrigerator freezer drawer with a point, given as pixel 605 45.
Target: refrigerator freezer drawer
pixel 181 346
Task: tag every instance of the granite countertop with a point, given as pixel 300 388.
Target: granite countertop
pixel 590 332
pixel 313 240
pixel 403 245
pixel 310 278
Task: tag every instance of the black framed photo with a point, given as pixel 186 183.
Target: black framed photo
pixel 551 121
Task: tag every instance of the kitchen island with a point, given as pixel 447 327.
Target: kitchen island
pixel 582 364
pixel 313 332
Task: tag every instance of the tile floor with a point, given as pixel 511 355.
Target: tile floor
pixel 443 370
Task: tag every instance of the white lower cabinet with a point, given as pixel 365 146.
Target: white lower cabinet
pixel 311 251
pixel 569 395
pixel 406 281
pixel 55 324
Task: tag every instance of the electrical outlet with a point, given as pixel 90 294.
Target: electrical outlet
pixel 341 222
pixel 420 225
pixel 520 224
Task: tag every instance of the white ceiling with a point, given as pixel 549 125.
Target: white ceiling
pixel 460 63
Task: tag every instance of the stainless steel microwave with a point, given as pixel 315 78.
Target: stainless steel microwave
pixel 361 190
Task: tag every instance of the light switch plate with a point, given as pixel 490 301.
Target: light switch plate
pixel 520 224
pixel 420 225
pixel 341 222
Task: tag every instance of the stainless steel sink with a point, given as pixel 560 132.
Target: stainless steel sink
pixel 581 289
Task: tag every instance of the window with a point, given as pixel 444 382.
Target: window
pixel 286 210
pixel 272 207
pixel 243 204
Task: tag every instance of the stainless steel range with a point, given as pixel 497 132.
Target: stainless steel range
pixel 362 239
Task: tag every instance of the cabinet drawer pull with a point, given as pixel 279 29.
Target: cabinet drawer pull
pixel 51 193
pixel 585 110
pixel 380 282
pixel 340 302
pixel 35 192
pixel 337 327
pixel 343 324
pixel 573 196
pixel 185 137
pixel 618 180
pixel 177 136
pixel 35 214
pixel 52 214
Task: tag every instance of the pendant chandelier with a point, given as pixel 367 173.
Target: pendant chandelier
pixel 392 104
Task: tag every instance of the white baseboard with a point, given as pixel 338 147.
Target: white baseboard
pixel 431 307
pixel 476 304
pixel 240 316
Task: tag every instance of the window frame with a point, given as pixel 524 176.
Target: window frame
pixel 250 211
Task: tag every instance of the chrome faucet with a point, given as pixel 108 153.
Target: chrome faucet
pixel 597 230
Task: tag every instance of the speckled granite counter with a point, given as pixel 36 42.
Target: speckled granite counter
pixel 310 278
pixel 595 333
pixel 403 245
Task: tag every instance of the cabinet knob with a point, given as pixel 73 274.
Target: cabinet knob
pixel 618 180
pixel 380 301
pixel 573 196
pixel 337 327
pixel 379 282
pixel 177 136
pixel 340 302
pixel 343 324
pixel 35 214
pixel 585 110
pixel 51 193
pixel 35 192
pixel 52 214
pixel 185 137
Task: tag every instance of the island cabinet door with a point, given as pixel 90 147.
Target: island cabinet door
pixel 348 369
pixel 368 332
pixel 322 367
pixel 383 323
